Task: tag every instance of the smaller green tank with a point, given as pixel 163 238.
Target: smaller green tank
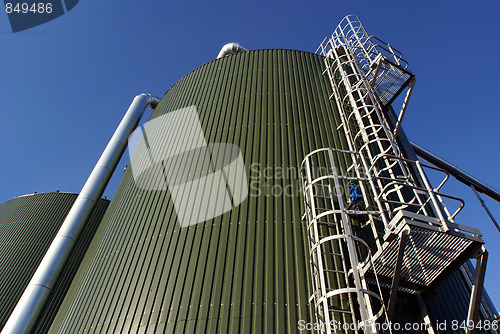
pixel 28 224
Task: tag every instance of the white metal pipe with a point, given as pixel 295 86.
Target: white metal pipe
pixel 34 298
pixel 231 48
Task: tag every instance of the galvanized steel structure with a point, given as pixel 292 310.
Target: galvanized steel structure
pixel 291 249
pixel 407 238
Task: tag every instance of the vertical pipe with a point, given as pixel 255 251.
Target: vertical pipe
pixel 34 298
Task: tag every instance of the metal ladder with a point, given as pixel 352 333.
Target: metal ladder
pixel 396 183
pixel 398 200
pixel 342 300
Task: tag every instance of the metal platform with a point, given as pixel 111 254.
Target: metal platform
pixel 430 254
pixel 404 220
pixel 383 65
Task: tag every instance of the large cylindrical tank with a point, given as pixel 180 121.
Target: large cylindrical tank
pixel 177 255
pixel 244 271
pixel 28 224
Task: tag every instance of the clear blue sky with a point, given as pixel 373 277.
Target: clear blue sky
pixel 65 85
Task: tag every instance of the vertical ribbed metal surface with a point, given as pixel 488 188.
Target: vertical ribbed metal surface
pixel 245 271
pixel 451 303
pixel 27 226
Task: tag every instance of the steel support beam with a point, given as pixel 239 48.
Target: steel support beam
pixel 486 208
pixel 403 108
pixel 477 292
pixel 397 275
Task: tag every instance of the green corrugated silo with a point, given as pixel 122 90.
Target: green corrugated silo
pixel 27 226
pixel 245 271
pixel 231 254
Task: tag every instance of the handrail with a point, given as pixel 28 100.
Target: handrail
pixel 457 173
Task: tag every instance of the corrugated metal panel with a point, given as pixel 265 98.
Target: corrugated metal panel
pixel 27 226
pixel 451 303
pixel 245 271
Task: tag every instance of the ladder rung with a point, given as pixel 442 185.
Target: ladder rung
pixel 340 296
pixel 331 309
pixel 334 271
pixel 334 254
pixel 321 185
pixel 325 197
pixel 322 237
pixel 326 223
pixel 329 225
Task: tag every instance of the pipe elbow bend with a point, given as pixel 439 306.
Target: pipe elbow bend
pixel 231 48
pixel 150 100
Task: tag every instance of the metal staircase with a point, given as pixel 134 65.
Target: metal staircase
pixel 402 219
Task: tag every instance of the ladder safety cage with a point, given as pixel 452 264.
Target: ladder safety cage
pixel 367 130
pixel 402 227
pixel 342 299
pixel 383 65
pixel 397 183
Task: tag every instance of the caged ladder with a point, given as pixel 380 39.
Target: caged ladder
pixel 337 255
pixel 404 221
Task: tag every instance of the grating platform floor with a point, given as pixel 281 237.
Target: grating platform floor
pixel 431 254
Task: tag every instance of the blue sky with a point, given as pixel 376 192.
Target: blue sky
pixel 65 85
